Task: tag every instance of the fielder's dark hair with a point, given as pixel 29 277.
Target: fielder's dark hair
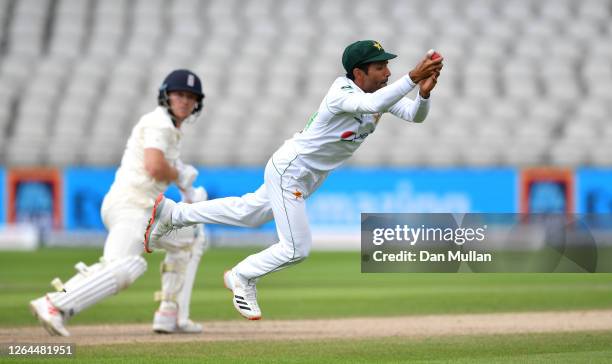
pixel 364 67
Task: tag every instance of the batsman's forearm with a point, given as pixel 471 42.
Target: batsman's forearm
pixel 163 173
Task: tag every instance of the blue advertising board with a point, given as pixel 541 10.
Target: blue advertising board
pixel 349 192
pixel 593 191
pixel 339 202
pixel 84 190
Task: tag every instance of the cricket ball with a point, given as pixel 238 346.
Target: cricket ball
pixel 433 55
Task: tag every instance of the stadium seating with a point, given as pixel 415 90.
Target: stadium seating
pixel 526 82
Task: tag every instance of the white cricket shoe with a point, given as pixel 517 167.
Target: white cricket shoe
pixel 160 223
pixel 165 322
pixel 49 316
pixel 188 327
pixel 245 295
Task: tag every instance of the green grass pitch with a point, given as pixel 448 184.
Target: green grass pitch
pixel 328 284
pixel 592 347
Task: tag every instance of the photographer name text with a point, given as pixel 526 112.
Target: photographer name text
pixel 425 256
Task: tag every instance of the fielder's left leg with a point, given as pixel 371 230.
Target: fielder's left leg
pixel 288 184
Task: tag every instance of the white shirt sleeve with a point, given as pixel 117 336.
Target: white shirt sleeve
pixel 156 138
pixel 410 110
pixel 346 99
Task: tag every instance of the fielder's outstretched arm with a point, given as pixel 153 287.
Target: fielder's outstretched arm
pixel 411 110
pixel 347 100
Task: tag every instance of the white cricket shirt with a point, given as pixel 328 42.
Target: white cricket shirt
pixel 132 182
pixel 347 115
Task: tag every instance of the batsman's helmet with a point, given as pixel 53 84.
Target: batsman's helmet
pixel 181 80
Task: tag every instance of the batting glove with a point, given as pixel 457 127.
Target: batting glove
pixel 186 175
pixel 194 194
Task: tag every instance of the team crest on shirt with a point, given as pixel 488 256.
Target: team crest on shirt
pixel 348 88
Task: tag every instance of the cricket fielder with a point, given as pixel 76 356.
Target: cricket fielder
pixel 347 115
pixel 150 162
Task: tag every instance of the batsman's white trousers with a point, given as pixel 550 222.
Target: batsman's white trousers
pixel 287 184
pixel 121 264
pixel 126 225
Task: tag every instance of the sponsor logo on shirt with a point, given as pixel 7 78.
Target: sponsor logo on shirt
pixel 347 135
pixel 351 136
pixel 366 126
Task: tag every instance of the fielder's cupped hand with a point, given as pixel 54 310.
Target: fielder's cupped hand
pixel 428 84
pixel 426 68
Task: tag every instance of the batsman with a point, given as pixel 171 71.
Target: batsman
pixel 346 116
pixel 149 164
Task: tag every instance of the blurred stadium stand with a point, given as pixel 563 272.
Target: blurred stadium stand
pixel 526 82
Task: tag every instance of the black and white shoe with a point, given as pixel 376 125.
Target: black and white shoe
pixel 244 295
